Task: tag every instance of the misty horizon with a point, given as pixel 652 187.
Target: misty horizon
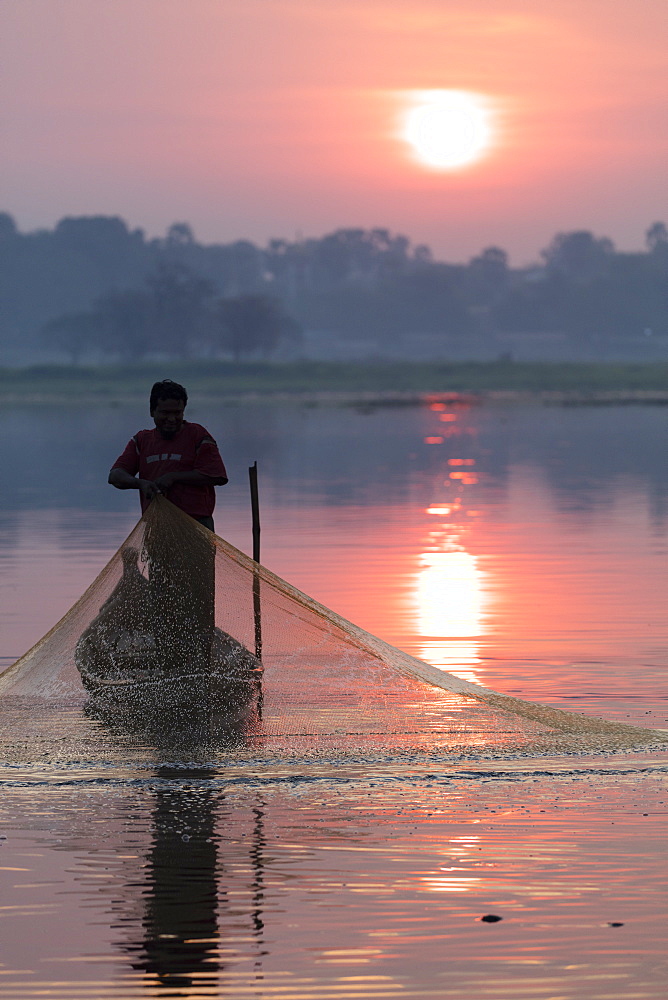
pixel 93 288
pixel 299 236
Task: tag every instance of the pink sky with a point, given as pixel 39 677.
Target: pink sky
pixel 271 118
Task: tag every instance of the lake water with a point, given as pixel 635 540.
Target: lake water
pixel 522 547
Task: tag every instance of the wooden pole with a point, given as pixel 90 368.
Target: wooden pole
pixel 255 511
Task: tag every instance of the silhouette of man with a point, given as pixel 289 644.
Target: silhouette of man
pixel 177 458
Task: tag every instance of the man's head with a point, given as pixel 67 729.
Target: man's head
pixel 167 403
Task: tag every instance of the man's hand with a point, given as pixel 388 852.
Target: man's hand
pixel 122 480
pixel 164 483
pixel 148 488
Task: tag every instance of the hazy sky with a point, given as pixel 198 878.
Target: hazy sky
pixel 272 118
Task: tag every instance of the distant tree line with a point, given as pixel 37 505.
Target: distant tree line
pixel 93 287
pixel 175 314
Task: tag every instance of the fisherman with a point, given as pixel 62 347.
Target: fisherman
pixel 177 458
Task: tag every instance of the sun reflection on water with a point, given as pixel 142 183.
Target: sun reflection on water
pixel 448 592
pixel 461 856
pixel 449 602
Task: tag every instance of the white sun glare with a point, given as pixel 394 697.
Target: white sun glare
pixel 448 128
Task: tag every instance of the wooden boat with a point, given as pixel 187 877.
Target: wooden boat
pixel 152 653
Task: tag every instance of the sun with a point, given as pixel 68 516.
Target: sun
pixel 448 129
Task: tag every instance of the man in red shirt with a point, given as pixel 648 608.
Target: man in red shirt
pixel 177 458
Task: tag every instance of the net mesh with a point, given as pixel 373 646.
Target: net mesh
pixel 180 624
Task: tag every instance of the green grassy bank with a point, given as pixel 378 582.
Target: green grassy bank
pixel 342 382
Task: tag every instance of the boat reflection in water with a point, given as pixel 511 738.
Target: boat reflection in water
pixel 192 881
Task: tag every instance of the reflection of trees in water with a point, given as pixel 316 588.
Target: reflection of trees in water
pixel 340 456
pixel 9 532
pixel 189 882
pixel 584 455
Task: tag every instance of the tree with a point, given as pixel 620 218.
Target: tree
pixel 253 324
pixel 656 236
pixel 179 306
pixel 8 228
pixel 243 267
pixel 180 234
pixel 126 323
pixel 488 275
pixel 73 333
pixel 425 300
pixel 579 256
pixel 657 245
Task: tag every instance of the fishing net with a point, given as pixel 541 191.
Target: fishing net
pixel 180 629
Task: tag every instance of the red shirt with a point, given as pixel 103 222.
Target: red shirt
pixel 150 455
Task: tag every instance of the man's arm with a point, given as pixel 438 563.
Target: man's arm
pixel 193 478
pixel 208 464
pixel 122 480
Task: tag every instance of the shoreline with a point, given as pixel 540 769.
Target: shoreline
pixel 362 398
pixel 345 384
